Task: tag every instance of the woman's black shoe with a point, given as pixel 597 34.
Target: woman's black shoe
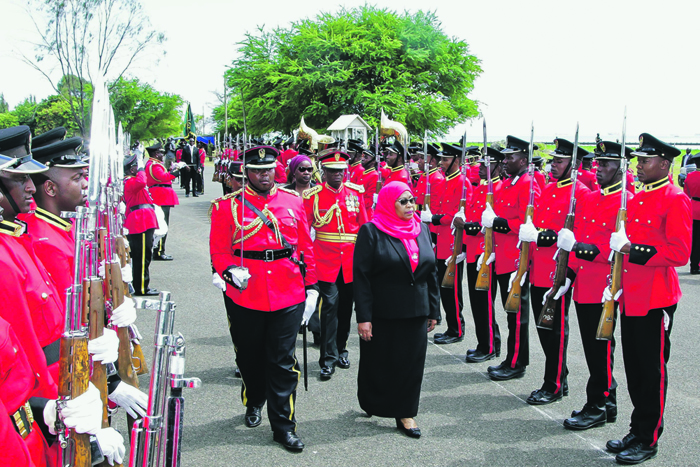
pixel 410 432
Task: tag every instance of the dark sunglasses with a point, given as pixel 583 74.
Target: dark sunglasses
pixel 305 169
pixel 405 201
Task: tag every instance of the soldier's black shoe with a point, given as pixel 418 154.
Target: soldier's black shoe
pixel 493 368
pixel 590 416
pixel 162 258
pixel 327 372
pixel 611 412
pixel 636 453
pixel 619 445
pixel 194 195
pixel 695 271
pixel 470 351
pixel 253 416
pixel 149 291
pixel 187 195
pixel 506 372
pixel 438 335
pixel 448 339
pixel 479 356
pixel 542 397
pixel 344 363
pixel 289 440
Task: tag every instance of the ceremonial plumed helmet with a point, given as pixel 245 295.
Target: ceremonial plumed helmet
pixel 261 157
pixel 61 154
pixel 649 146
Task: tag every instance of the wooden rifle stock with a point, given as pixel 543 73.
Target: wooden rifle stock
pixel 426 201
pixel 483 279
pixel 94 314
pixel 73 380
pixel 513 302
pixel 448 280
pixel 607 319
pixel 116 293
pixel 546 318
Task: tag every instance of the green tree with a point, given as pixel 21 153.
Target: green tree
pixel 7 120
pixel 4 106
pixel 143 111
pixel 55 111
pixel 26 113
pixel 359 61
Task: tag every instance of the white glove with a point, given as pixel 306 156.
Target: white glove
pixel 566 240
pixel 375 197
pixel 460 215
pixel 122 208
pixel 50 415
pixel 111 444
pixel 105 348
pixel 84 413
pixel 129 397
pixel 512 278
pixel 126 240
pixel 101 269
pixel 426 215
pixel 312 234
pixel 528 232
pixel 460 257
pixel 607 295
pixel 310 307
pixel 127 274
pixel 139 162
pixel 562 290
pixel 181 165
pixel 488 216
pixel 619 239
pixel 491 259
pixel 218 282
pixel 124 314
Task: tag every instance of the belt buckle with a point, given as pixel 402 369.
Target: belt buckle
pixel 269 256
pixel 24 423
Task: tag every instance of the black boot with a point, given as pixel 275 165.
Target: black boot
pixel 590 416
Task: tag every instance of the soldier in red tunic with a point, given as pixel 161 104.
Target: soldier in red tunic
pixel 550 216
pixel 444 207
pixel 140 222
pixel 692 189
pixel 368 180
pixel 160 185
pixel 395 170
pixel 355 169
pixel 437 178
pixel 336 211
pixel 655 242
pixel 505 218
pixel 259 236
pixel 595 221
pixel 482 302
pixel 585 172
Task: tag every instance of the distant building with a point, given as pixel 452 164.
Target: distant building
pixel 349 127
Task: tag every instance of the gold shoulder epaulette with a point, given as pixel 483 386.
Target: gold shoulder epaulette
pixel 354 186
pixel 312 191
pixel 287 190
pixel 215 202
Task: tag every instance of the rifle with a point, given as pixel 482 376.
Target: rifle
pixel 607 319
pixel 513 302
pixel 426 169
pixel 155 439
pixel 378 159
pixel 448 280
pixel 483 278
pixel 546 318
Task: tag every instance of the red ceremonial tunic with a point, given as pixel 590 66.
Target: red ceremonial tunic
pixel 138 220
pixel 437 180
pixel 550 214
pixel 596 214
pixel 285 156
pixel 178 155
pixel 54 245
pixel 473 174
pixel 337 217
pixel 659 226
pixel 587 177
pixel 446 203
pixel 17 384
pixel 692 189
pixel 355 172
pixel 276 284
pixel 280 172
pixel 397 174
pixel 475 243
pixel 30 303
pixel 160 184
pixel 368 180
pixel 511 205
pixel 540 179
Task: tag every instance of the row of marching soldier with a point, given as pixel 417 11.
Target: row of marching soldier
pixel 291 253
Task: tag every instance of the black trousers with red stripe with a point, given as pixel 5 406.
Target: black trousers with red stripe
pixel 141 246
pixel 646 348
pixel 554 342
pixel 518 337
pixel 265 344
pixel 452 304
pixel 600 355
pixel 488 336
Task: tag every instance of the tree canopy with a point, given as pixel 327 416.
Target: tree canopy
pixel 359 61
pixel 145 112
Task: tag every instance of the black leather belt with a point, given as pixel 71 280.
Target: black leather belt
pixel 164 186
pixel 141 206
pixel 23 420
pixel 695 198
pixel 266 255
pixel 51 352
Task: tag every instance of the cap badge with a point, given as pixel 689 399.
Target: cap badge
pixel 337 157
pixel 556 143
pixel 602 147
pixel 641 140
pixel 261 153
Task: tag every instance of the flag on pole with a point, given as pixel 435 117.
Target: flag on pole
pixel 188 126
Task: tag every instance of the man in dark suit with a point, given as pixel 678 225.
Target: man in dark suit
pixel 190 156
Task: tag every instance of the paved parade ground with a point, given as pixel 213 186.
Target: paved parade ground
pixel 465 418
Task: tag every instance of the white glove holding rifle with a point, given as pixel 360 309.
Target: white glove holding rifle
pixel 84 413
pixel 105 348
pixel 111 444
pixel 512 278
pixel 562 290
pixel 124 314
pixel 130 398
pixel 310 307
pixel 426 215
